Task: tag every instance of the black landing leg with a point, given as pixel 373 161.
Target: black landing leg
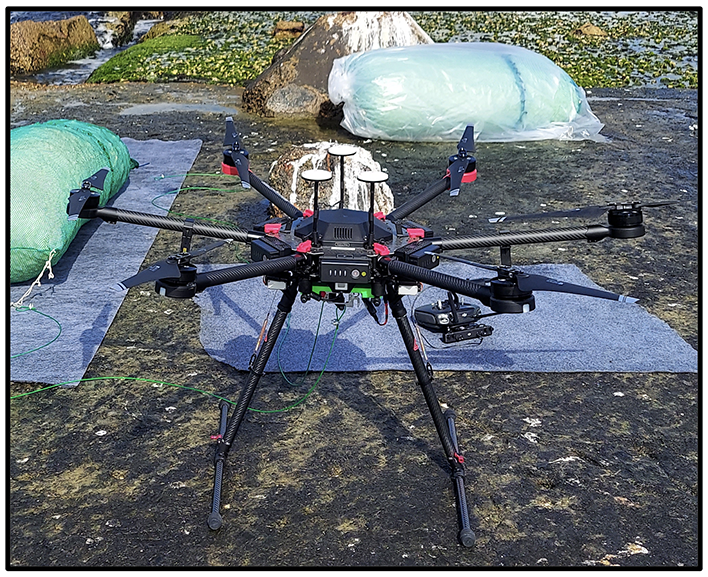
pixel 444 423
pixel 229 430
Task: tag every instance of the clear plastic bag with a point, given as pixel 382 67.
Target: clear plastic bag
pixel 431 92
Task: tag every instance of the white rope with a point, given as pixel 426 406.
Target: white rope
pixel 37 283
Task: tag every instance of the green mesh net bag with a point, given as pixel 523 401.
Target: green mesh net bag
pixel 47 161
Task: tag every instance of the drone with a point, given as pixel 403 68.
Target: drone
pixel 337 254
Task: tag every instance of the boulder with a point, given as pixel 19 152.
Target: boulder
pixel 35 46
pixel 161 29
pixel 122 24
pixel 285 173
pixel 288 30
pixel 295 84
pixel 588 29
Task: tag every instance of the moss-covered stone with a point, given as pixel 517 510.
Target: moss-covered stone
pixel 135 62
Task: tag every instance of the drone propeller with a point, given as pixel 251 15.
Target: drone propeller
pixel 236 152
pixel 78 197
pixel 527 282
pixel 585 212
pixel 168 268
pixel 460 162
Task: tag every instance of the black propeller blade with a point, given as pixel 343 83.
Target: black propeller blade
pixel 585 212
pixel 236 151
pixel 536 282
pixel 168 268
pixel 78 197
pixel 460 162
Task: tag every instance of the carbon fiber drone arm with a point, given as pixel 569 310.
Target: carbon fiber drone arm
pixel 590 233
pixel 424 197
pixel 275 197
pixel 444 281
pixel 110 214
pixel 245 271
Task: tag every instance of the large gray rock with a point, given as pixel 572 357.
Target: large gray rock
pixel 286 170
pixel 295 84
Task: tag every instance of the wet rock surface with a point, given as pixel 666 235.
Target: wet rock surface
pixel 38 45
pixel 571 470
pixel 296 83
pixel 285 177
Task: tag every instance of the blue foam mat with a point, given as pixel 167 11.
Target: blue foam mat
pixel 78 296
pixel 565 333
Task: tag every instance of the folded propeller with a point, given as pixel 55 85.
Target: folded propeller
pixel 586 212
pixel 527 282
pixel 170 268
pixel 460 163
pixel 78 197
pixel 235 154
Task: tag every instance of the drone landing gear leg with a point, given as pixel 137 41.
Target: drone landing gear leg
pixel 228 431
pixel 444 423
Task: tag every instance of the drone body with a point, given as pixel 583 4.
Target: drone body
pixel 330 255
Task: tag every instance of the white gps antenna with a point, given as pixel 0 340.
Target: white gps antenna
pixel 373 177
pixel 341 150
pixel 316 176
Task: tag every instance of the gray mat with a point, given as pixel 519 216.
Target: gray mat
pixel 78 296
pixel 565 333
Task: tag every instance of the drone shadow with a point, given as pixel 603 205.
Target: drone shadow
pixel 506 358
pixel 92 337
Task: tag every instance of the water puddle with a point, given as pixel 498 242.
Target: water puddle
pixel 160 107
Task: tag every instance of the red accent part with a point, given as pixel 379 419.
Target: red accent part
pixel 215 437
pixel 415 233
pixel 470 176
pixel 466 177
pixel 272 228
pixel 459 458
pixel 380 215
pixel 227 169
pixel 304 246
pixel 380 249
pixel 415 344
pixel 309 212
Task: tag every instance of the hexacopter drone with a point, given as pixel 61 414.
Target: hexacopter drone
pixel 330 255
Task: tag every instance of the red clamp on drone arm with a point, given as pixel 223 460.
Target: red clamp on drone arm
pixel 415 234
pixel 272 228
pixel 304 246
pixel 380 215
pixel 381 249
pixel 308 213
pixel 228 169
pixel 470 176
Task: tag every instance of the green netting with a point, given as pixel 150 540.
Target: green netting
pixel 47 161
